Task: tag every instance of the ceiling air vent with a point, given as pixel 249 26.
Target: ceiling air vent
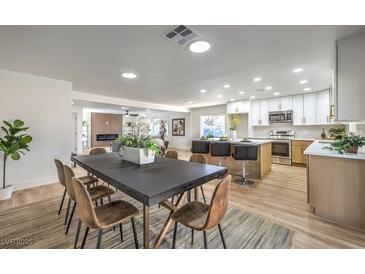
pixel 180 35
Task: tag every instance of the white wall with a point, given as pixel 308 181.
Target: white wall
pixel 78 110
pixel 177 142
pixel 45 106
pixel 197 112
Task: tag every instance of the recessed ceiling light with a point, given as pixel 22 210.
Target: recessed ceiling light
pixel 276 93
pixel 297 70
pixel 199 46
pixel 307 89
pixel 241 92
pixel 123 107
pixel 302 82
pixel 227 86
pixel 252 97
pixel 257 79
pixel 190 102
pixel 129 75
pixel 219 96
pixel 268 88
pixel 231 100
pixel 147 110
pixel 203 91
pixel 72 102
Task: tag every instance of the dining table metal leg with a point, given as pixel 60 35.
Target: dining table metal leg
pixel 146 227
pixel 168 222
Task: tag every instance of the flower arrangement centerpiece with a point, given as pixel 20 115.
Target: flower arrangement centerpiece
pixel 234 121
pixel 139 147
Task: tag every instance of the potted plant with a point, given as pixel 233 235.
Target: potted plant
pixel 12 144
pixel 349 143
pixel 234 121
pixel 139 148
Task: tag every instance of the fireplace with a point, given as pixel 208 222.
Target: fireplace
pixel 106 137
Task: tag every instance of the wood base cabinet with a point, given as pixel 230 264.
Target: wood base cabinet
pixel 298 148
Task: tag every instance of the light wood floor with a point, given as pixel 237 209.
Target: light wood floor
pixel 280 197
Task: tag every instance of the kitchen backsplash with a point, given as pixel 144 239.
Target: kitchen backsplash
pixel 311 132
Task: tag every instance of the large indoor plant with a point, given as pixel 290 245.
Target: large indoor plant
pixel 349 143
pixel 234 121
pixel 139 147
pixel 14 143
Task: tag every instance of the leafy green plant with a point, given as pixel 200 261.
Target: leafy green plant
pixel 234 121
pixel 133 140
pixel 337 132
pixel 210 135
pixel 347 144
pixel 15 142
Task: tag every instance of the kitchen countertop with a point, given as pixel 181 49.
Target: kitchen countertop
pixel 316 149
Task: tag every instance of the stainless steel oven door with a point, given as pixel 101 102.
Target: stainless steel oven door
pixel 281 152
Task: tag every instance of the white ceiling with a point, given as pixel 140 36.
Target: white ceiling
pixel 93 57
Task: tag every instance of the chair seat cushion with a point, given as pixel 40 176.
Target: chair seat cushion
pixel 88 179
pixel 114 213
pixel 193 215
pixel 98 192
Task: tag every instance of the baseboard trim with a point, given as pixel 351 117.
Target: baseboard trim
pixel 35 182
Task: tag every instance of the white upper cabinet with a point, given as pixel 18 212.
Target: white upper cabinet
pixel 264 112
pixel 304 109
pixel 323 107
pixel 244 106
pixel 298 108
pixel 232 108
pixel 309 109
pixel 256 113
pixel 281 103
pixel 350 80
pixel 260 112
pixel 274 104
pixel 286 103
pixel 238 107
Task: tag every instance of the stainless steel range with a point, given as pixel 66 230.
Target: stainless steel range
pixel 281 146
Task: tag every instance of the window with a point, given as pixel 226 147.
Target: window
pixel 213 125
pixel 155 126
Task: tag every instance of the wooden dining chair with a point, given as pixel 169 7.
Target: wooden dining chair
pixel 61 178
pixel 201 159
pixel 96 192
pixel 102 217
pixel 202 217
pixel 97 150
pixel 172 154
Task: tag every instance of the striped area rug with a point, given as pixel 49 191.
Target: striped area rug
pixel 37 225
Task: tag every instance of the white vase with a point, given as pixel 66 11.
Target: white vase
pixel 138 156
pixel 234 134
pixel 5 193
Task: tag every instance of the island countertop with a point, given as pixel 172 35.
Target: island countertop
pixel 317 149
pixel 238 141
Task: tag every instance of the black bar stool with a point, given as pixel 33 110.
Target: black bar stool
pixel 245 152
pixel 220 149
pixel 200 146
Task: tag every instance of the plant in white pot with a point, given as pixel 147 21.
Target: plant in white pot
pixel 14 143
pixel 234 121
pixel 139 148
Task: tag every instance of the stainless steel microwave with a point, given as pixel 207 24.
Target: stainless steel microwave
pixel 281 116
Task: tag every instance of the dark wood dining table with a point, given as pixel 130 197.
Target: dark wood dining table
pixel 152 183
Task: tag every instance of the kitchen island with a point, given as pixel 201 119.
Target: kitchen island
pixel 336 185
pixel 254 169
